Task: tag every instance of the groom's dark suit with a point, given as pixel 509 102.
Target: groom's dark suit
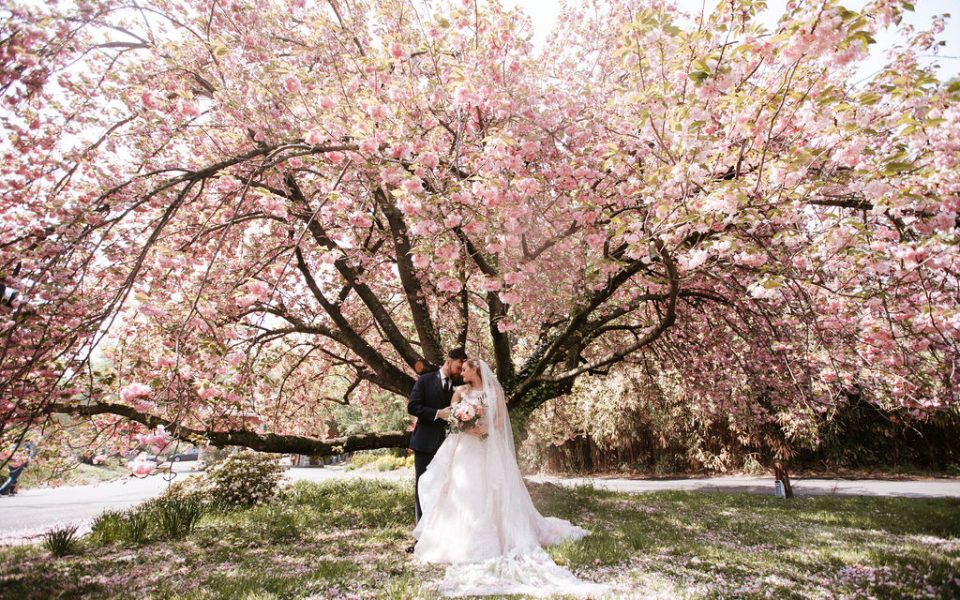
pixel 428 396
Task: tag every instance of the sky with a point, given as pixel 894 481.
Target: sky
pixel 544 15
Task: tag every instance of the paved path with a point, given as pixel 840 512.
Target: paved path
pixel 27 515
pixel 920 488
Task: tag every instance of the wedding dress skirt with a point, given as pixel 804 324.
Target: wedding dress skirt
pixel 468 516
pixel 479 517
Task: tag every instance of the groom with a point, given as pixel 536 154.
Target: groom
pixel 429 403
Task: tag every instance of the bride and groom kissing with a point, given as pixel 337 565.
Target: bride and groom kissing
pixel 472 509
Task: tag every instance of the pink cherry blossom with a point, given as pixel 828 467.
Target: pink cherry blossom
pixel 413 185
pixel 151 100
pixel 291 84
pixel 397 51
pixel 447 252
pixel 452 220
pixel 449 285
pixel 491 285
pixel 429 160
pixel 749 259
pixel 144 406
pixel 141 467
pixel 513 278
pixel 421 261
pixel 273 205
pixel 510 297
pixel 361 220
pixel 379 112
pixel 134 391
pixel 187 108
pixel 369 146
pixel 315 137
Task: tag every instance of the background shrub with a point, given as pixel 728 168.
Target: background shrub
pixel 379 460
pixel 244 479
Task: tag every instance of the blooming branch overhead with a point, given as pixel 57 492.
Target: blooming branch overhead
pixel 230 219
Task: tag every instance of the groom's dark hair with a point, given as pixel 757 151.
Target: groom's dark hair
pixel 457 354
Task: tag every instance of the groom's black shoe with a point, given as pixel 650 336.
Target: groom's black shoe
pixel 410 548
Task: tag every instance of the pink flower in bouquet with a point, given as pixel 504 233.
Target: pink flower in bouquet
pixel 465 412
pixel 466 416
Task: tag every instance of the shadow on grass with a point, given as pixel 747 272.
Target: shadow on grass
pixel 733 545
pixel 263 580
pixel 346 539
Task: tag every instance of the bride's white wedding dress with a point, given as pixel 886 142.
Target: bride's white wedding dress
pixel 478 515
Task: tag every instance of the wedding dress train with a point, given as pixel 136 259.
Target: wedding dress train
pixel 478 515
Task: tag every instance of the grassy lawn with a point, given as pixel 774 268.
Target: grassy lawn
pixel 36 475
pixel 346 539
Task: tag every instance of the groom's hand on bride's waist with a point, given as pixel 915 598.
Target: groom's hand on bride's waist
pixel 443 413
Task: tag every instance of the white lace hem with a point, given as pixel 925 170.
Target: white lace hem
pixel 534 574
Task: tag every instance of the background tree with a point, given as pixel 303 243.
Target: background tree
pixel 259 210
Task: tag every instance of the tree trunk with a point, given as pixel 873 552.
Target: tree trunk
pixel 780 474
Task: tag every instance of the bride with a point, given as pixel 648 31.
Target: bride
pixel 478 514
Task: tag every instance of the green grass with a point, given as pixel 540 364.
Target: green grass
pixel 346 539
pixel 40 474
pixel 711 545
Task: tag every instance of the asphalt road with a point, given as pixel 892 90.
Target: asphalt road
pixel 24 517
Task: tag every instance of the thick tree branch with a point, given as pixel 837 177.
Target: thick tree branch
pixel 578 321
pixel 497 310
pixel 419 311
pixel 387 376
pixel 666 321
pixel 261 442
pixel 390 329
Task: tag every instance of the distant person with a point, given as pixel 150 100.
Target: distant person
pixel 18 462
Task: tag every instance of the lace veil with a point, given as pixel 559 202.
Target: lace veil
pixel 500 434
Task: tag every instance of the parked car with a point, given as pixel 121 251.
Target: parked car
pixel 184 456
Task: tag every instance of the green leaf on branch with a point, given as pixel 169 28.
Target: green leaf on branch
pixel 863 36
pixel 896 166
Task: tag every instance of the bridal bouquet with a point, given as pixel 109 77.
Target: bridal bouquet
pixel 465 415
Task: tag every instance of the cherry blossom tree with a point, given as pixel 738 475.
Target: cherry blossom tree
pixel 227 218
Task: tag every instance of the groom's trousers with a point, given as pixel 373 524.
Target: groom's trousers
pixel 420 462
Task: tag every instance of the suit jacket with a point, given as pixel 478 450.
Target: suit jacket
pixel 427 397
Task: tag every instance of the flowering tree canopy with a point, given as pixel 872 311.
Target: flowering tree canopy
pixel 253 211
